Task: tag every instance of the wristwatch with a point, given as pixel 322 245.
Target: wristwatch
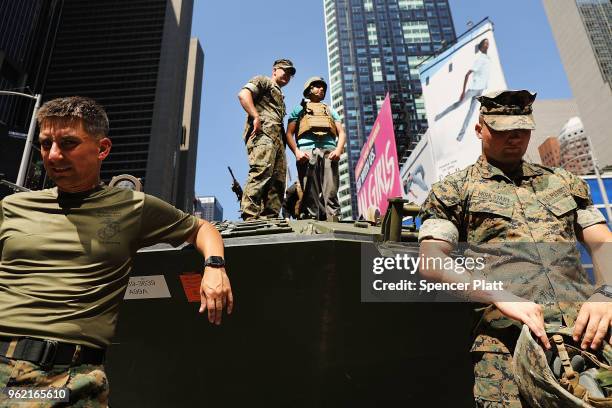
pixel 605 290
pixel 215 262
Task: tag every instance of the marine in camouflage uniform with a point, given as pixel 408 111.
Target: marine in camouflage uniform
pixel 264 103
pixel 521 207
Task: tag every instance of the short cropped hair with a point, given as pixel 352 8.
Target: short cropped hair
pixel 73 108
pixel 480 45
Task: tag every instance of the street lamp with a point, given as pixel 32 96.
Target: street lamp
pixel 25 158
pixel 600 183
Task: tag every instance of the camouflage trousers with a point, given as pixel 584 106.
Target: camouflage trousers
pixel 319 179
pixel 265 186
pixel 494 384
pixel 87 384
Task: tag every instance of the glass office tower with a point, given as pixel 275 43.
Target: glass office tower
pixel 374 47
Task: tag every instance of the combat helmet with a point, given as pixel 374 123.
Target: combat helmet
pixel 564 377
pixel 311 81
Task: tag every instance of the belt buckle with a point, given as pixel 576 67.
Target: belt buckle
pixel 49 353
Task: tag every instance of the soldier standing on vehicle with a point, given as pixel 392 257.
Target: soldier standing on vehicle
pixel 264 103
pixel 318 144
pixel 497 206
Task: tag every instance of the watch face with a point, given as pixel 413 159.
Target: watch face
pixel 127 184
pixel 215 261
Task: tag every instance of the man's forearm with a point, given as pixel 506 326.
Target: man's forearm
pixel 598 240
pixel 289 137
pixel 341 136
pixel 602 263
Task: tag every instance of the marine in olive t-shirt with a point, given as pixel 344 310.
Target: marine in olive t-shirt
pixel 66 257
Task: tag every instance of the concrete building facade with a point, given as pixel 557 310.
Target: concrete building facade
pixel 550 116
pixel 550 152
pixel 574 148
pixel 583 33
pixel 191 123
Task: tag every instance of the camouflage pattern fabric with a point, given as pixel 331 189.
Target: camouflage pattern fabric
pixel 494 383
pixel 270 104
pixel 486 206
pixel 506 219
pixel 87 384
pixel 265 186
pixel 507 110
pixel 535 379
pixel 525 223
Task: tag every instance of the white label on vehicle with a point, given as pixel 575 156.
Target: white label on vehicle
pixel 147 287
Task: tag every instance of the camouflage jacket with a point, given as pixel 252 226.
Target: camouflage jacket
pixel 270 104
pixel 526 229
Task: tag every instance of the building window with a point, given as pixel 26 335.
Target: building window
pixel 376 69
pixel 410 4
pixel 368 5
pixel 372 36
pixel 416 31
pixel 414 61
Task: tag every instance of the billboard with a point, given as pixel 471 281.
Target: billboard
pixel 377 170
pixel 418 173
pixel 451 83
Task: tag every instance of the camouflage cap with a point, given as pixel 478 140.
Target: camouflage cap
pixel 508 110
pixel 311 81
pixel 285 64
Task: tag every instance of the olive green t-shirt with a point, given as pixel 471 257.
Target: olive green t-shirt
pixel 65 258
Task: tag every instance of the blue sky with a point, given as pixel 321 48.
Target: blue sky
pixel 241 39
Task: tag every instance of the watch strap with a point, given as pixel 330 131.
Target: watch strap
pixel 605 290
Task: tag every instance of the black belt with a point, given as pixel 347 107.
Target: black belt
pixel 47 353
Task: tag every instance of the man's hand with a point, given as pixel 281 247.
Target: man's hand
pixel 335 154
pixel 528 313
pixel 256 126
pixel 215 294
pixel 595 315
pixel 301 156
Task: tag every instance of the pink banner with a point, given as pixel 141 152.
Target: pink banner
pixel 377 171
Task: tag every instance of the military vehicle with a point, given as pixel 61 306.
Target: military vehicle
pixel 300 334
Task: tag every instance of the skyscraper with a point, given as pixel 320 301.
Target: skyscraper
pixel 131 56
pixel 208 208
pixel 27 33
pixel 191 123
pixel 583 33
pixel 373 47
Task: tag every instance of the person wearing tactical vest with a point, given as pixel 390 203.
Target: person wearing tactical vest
pixel 524 220
pixel 316 136
pixel 264 103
